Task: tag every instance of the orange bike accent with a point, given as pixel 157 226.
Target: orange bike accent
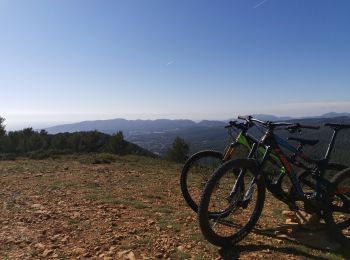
pixel 342 190
pixel 229 153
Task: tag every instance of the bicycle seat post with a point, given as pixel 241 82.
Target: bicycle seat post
pixel 331 144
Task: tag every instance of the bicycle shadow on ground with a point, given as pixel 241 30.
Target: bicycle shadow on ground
pixel 235 251
pixel 318 239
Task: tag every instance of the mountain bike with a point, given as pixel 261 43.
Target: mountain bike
pixel 238 199
pixel 337 216
pixel 201 165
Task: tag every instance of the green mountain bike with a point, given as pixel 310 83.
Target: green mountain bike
pixel 238 199
pixel 201 165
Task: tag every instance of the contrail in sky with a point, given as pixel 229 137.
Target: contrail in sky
pixel 169 63
pixel 259 4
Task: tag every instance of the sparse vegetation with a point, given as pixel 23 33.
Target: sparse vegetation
pixel 179 151
pixel 41 145
pixel 2 126
pixel 132 204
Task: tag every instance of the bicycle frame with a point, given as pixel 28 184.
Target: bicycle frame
pixel 248 141
pixel 275 142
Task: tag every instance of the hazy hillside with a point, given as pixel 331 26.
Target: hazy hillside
pixel 157 135
pixel 39 145
pixel 127 126
pixel 153 135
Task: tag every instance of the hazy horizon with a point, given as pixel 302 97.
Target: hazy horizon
pixel 70 61
pixel 18 125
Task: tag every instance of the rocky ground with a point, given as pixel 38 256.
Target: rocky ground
pixel 130 209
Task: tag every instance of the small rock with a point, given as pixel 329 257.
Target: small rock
pixel 131 256
pixel 88 254
pixel 180 248
pixel 37 206
pixel 151 222
pixel 47 252
pixel 76 215
pixel 123 253
pixel 79 251
pixel 64 239
pixel 39 246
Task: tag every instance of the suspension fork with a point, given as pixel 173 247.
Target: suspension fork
pixel 230 151
pixel 239 184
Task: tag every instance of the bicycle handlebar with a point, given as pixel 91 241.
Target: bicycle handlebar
pixel 297 125
pixel 250 119
pixel 337 126
pixel 289 126
pixel 230 124
pixel 241 126
pixel 246 118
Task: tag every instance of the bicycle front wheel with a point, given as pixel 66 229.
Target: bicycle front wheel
pixel 231 202
pixel 195 174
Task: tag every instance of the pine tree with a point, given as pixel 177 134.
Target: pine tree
pixel 179 151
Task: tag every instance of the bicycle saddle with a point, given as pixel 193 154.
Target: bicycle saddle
pixel 337 126
pixel 303 141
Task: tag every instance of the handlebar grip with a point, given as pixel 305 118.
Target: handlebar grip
pixel 243 117
pixel 231 124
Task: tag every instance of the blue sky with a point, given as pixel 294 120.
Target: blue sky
pixel 64 61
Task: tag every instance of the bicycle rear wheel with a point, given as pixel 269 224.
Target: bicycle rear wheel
pixel 307 181
pixel 195 174
pixel 337 213
pixel 235 197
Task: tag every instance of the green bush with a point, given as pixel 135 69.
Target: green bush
pixel 179 151
pixel 8 157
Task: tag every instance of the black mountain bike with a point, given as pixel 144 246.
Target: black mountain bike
pixel 201 165
pixel 236 191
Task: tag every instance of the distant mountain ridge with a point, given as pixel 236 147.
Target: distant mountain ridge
pixel 157 135
pixel 110 126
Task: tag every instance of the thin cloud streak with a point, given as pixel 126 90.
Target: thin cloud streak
pixel 259 4
pixel 169 63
